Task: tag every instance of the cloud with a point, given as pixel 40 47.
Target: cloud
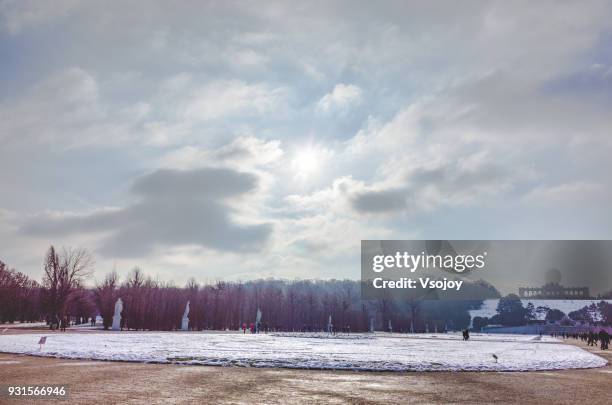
pixel 245 152
pixel 209 183
pixel 66 98
pixel 424 187
pixel 222 98
pixel 564 193
pixel 66 109
pixel 425 158
pixel 414 121
pixel 315 226
pixel 173 208
pixel 187 104
pixel 73 107
pixel 18 15
pixel 386 201
pixel 593 82
pixel 341 98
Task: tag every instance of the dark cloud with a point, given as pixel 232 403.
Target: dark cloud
pixel 233 152
pixel 452 181
pixel 64 224
pixel 454 178
pixel 207 183
pixel 175 208
pixel 380 201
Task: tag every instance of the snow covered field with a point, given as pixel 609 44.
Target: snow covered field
pixel 23 325
pixel 380 351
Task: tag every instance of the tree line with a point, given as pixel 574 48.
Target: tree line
pixel 286 305
pixel 151 304
pixel 19 296
pixel 511 312
pixel 298 305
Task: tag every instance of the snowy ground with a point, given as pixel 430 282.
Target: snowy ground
pixel 323 335
pixel 379 352
pixel 22 325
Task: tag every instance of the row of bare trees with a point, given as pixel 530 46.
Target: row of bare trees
pixel 151 304
pixel 19 296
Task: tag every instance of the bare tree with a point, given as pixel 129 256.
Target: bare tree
pixel 105 297
pixel 63 274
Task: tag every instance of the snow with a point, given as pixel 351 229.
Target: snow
pixel 323 335
pixel 373 352
pixel 86 327
pixel 489 307
pixel 22 325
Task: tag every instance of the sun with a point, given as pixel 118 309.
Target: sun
pixel 305 163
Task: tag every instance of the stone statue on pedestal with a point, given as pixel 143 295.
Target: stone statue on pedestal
pixel 117 315
pixel 185 320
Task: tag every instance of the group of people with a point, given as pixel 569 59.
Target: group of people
pixel 590 337
pixel 63 322
pixel 58 323
pixel 255 328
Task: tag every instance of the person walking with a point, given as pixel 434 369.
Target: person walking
pixel 604 339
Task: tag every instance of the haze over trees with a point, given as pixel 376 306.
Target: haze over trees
pixel 301 305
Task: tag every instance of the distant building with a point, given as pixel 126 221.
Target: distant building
pixel 555 291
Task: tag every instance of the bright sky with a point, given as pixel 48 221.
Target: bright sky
pixel 244 140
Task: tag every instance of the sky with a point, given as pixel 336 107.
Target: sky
pixel 239 140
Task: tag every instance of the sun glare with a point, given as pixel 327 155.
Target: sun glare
pixel 305 163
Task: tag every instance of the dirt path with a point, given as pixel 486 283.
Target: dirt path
pixel 135 383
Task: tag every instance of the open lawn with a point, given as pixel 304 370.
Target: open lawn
pixel 140 383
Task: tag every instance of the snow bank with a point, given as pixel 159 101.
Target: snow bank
pixel 379 352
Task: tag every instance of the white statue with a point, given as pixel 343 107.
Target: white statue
pixel 258 321
pixel 117 316
pixel 185 321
